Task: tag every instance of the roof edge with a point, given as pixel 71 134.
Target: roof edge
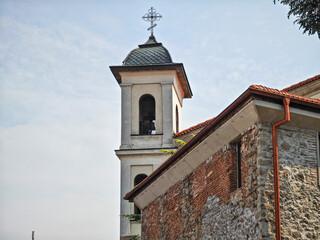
pixel 178 67
pixel 180 152
pixel 251 91
pixel 192 128
pixel 302 83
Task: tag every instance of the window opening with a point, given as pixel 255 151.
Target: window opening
pixel 138 179
pixel 318 167
pixel 239 165
pixel 147 115
pixel 177 119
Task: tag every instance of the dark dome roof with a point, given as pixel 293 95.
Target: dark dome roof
pixel 149 53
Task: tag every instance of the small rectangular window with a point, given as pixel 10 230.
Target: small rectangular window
pixel 238 146
pixel 318 165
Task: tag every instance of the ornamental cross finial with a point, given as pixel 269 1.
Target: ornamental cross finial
pixel 151 17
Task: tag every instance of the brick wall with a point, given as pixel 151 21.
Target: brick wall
pixel 208 205
pixel 181 213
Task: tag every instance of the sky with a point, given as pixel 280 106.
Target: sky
pixel 60 104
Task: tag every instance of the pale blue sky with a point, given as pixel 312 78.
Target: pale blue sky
pixel 60 105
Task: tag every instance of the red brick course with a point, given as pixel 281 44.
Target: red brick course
pixel 172 213
pixel 177 213
pixel 152 231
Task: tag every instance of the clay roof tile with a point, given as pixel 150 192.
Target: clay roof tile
pixel 299 84
pixel 285 94
pixel 190 129
pixel 253 89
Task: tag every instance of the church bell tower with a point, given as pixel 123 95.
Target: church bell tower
pixel 152 91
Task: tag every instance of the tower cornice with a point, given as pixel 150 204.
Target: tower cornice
pixel 177 67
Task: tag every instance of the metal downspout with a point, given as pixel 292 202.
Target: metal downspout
pixel 286 102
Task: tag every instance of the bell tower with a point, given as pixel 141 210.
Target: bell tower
pixel 152 92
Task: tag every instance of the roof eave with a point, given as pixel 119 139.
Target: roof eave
pixel 178 67
pixel 241 101
pixel 302 83
pixel 171 160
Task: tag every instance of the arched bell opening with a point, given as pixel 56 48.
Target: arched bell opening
pixel 147 115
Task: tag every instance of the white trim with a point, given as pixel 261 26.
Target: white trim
pixel 222 136
pixel 292 110
pixel 247 116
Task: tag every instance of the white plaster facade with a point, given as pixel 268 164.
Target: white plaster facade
pixel 164 86
pixel 255 112
pixel 140 154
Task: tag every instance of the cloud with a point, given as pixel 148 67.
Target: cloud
pixel 56 144
pixel 44 70
pixel 56 178
pixel 60 105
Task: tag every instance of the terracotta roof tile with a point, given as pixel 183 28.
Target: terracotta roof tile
pixel 190 129
pixel 285 94
pixel 253 89
pixel 299 84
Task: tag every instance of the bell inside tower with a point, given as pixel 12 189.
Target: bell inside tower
pixel 147 115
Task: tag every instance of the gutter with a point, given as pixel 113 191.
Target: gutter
pixel 286 102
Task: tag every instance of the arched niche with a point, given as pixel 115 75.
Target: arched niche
pixel 138 179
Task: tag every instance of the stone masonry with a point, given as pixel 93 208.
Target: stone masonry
pixel 299 193
pixel 208 205
pixel 185 210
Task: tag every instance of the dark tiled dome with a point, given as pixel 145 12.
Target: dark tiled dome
pixel 149 53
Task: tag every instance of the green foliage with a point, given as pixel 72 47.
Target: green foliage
pixel 307 14
pixel 165 151
pixel 133 217
pixel 178 142
pixel 134 237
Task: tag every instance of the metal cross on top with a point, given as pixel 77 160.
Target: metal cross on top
pixel 151 17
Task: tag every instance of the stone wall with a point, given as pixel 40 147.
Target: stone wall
pixel 208 205
pixel 299 193
pixel 191 209
pixel 228 221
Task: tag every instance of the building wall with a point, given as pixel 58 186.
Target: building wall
pixel 140 153
pixel 176 103
pixel 312 89
pixel 132 165
pixel 299 191
pixel 153 89
pixel 191 209
pixel 208 205
pixel 150 83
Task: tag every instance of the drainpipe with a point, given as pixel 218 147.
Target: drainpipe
pixel 286 102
